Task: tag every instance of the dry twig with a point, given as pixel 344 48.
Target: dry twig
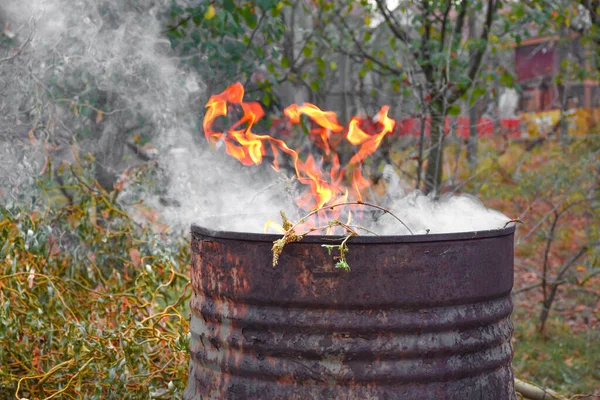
pixel 20 49
pixel 290 235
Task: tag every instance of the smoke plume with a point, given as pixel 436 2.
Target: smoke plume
pixel 114 54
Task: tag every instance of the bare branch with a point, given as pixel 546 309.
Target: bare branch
pixel 20 49
pixel 460 21
pixel 392 23
pixel 569 264
pixel 555 285
pixel 549 239
pixel 364 53
pixel 444 22
pixel 477 57
pixel 425 57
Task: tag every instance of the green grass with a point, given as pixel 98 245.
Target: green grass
pixel 565 362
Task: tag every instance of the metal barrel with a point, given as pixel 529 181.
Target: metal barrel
pixel 417 317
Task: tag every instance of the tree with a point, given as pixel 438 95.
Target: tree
pixel 225 41
pixel 429 47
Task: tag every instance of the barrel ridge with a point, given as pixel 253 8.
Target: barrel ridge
pixel 427 319
pixel 409 355
pixel 394 319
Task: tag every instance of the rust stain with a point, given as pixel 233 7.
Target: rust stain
pixel 420 319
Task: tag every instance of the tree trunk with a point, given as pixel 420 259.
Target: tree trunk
pixel 433 175
pixel 473 117
pixel 472 143
pixel 422 148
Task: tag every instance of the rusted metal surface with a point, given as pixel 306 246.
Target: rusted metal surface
pixel 417 317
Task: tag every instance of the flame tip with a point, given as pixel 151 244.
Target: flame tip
pixel 323 188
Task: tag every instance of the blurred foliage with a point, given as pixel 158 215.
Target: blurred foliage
pixel 579 18
pixel 93 303
pixel 227 41
pixel 435 49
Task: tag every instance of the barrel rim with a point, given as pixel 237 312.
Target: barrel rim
pixel 433 237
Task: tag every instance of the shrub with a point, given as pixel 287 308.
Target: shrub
pixel 92 303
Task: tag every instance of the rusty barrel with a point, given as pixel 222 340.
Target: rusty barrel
pixel 417 317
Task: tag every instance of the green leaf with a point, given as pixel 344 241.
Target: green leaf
pixel 304 122
pixel 333 65
pixel 285 63
pixel 266 100
pixel 275 11
pixel 249 17
pixel 518 39
pixel 320 63
pixel 266 5
pixel 507 79
pixel 519 11
pixel 307 51
pixel 329 247
pixel 195 36
pixel 454 110
pixel 342 264
pixel 477 93
pixel 315 85
pixel 229 5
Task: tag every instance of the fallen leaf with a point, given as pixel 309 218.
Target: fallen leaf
pixel 569 362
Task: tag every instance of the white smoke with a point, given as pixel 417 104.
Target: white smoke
pixel 120 50
pixel 452 213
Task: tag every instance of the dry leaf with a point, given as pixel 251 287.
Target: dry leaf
pixel 210 13
pixel 32 138
pixel 134 254
pixel 99 116
pixel 569 362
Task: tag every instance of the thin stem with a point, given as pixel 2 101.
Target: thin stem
pixel 349 203
pixel 549 240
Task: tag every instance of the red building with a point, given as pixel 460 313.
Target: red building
pixel 537 63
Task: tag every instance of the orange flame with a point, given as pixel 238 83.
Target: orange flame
pixel 323 188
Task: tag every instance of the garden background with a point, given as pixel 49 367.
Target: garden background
pixel 104 165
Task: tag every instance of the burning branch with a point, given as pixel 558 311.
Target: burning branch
pixel 290 235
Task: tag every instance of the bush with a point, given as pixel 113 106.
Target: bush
pixel 92 303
